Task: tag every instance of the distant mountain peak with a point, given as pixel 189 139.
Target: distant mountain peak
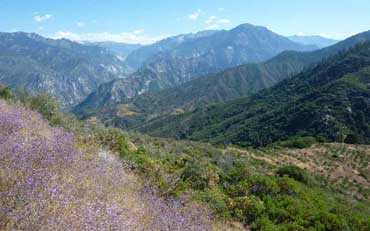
pixel 64 69
pixel 248 26
pixel 316 40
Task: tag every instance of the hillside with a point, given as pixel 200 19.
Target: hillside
pixel 195 115
pixel 221 87
pixel 50 178
pixel 101 170
pixel 66 70
pixel 245 183
pixel 330 101
pixel 194 58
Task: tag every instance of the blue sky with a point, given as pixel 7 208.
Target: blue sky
pixel 146 21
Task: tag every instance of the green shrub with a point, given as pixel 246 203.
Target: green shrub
pixel 263 185
pixel 352 139
pixel 45 105
pixel 200 175
pixel 248 208
pixel 299 142
pixel 239 190
pixel 217 201
pixel 293 172
pixel 331 222
pixel 5 92
pixel 238 173
pixel 288 186
pixel 263 223
pixel 113 139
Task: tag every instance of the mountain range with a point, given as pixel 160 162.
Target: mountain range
pixel 240 81
pixel 70 71
pixel 64 69
pixel 122 50
pixel 146 54
pixel 330 101
pixel 239 129
pixel 314 40
pixel 196 56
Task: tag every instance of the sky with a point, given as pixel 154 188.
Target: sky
pixel 147 21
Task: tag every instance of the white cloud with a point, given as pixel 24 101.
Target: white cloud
pixel 301 34
pixel 42 18
pixel 223 20
pixel 337 36
pixel 210 19
pixel 195 15
pixel 80 24
pixel 140 31
pixel 329 36
pixel 213 22
pixel 125 37
pixel 212 27
pixel 216 20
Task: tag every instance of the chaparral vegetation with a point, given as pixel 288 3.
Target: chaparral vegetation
pixel 50 181
pixel 81 176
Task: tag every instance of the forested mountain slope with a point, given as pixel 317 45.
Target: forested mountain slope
pixel 330 101
pixel 221 87
pixel 195 57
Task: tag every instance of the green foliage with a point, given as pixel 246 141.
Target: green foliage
pixel 113 139
pixel 248 208
pixel 5 92
pixel 200 175
pixel 298 142
pixel 234 186
pixel 293 172
pixel 352 139
pixel 262 186
pixel 328 101
pixel 47 106
pixel 237 188
pixel 218 201
pixel 235 82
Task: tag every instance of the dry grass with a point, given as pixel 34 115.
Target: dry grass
pixel 347 167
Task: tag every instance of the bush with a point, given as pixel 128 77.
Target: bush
pixel 351 139
pixel 264 224
pixel 47 106
pixel 200 175
pixel 248 208
pixel 5 92
pixel 299 142
pixel 218 201
pixel 239 190
pixel 294 172
pixel 262 185
pixel 115 140
pixel 288 186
